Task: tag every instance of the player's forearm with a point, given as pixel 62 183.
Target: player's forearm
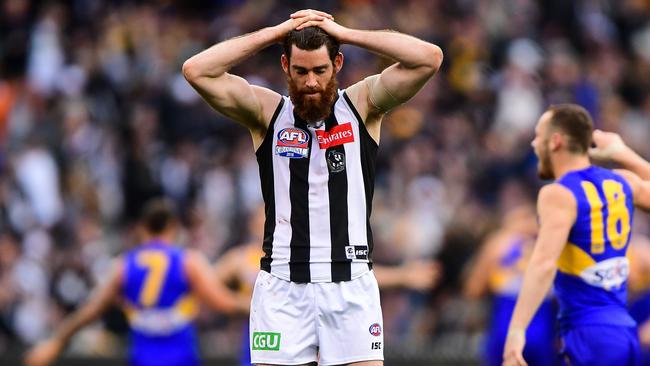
pixel 387 277
pixel 536 284
pixel 633 162
pixel 76 321
pixel 409 51
pixel 218 59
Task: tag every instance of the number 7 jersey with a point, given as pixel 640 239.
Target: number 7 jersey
pixel 591 281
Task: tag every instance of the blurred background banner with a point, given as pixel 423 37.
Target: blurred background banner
pixel 96 119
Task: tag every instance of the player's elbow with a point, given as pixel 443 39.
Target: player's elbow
pixel 190 70
pixel 433 58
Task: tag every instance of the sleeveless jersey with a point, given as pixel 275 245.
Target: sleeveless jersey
pixel 159 307
pixel 317 185
pixel 591 282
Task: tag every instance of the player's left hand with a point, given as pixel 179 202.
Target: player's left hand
pixel 514 348
pixel 328 25
pixel 44 353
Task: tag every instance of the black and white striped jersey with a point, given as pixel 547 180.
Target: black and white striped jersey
pixel 317 185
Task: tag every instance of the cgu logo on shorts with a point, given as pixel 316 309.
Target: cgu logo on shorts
pixel 266 341
pixel 608 274
pixel 292 143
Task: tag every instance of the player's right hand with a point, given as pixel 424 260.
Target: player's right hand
pixel 513 351
pixel 44 353
pixel 607 144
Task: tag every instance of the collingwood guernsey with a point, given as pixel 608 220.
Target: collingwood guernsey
pixel 317 184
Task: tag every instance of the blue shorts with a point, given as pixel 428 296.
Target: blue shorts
pixel 604 345
pixel 180 349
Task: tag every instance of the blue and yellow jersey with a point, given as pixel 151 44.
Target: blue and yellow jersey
pixel 159 306
pixel 591 282
pixel 505 281
pixel 506 278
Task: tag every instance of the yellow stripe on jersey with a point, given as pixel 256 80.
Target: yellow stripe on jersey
pixel 187 306
pixel 574 260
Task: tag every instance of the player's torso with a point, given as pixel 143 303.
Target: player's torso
pixel 317 185
pixel 158 298
pixel 591 283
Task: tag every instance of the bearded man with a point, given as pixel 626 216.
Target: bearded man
pixel 316 297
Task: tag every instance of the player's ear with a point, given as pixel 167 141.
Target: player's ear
pixel 338 62
pixel 557 140
pixel 284 60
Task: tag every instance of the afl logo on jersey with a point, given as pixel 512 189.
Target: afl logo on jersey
pixel 375 329
pixel 292 143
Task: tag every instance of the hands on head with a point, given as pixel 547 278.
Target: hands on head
pixel 315 18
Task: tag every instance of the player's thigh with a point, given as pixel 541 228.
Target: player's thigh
pixel 350 327
pixel 282 323
pixel 306 364
pixel 367 363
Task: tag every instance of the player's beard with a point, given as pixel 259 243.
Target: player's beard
pixel 545 165
pixel 313 108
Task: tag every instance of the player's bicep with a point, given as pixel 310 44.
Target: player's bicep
pixel 397 84
pixel 235 98
pixel 640 189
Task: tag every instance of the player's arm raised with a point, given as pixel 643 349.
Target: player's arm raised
pixel 557 209
pixel 610 146
pixel 416 62
pixel 233 96
pixel 46 352
pixel 640 189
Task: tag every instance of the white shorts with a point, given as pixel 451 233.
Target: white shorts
pixel 331 323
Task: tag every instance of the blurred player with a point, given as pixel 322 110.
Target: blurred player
pixel 499 271
pixel 610 147
pixel 240 266
pixel 316 298
pixel 158 284
pixel 639 287
pixel 585 219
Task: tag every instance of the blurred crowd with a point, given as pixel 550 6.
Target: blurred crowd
pixel 96 118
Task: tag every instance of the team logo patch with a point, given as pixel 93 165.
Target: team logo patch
pixel 375 329
pixel 266 341
pixel 356 252
pixel 335 161
pixel 337 135
pixel 292 143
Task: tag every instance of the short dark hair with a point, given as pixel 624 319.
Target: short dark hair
pixel 157 215
pixel 574 121
pixel 309 39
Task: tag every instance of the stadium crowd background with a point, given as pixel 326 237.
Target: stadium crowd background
pixel 96 118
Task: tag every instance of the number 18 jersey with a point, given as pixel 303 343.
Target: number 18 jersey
pixel 591 282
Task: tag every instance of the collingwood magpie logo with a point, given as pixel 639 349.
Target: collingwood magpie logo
pixel 336 161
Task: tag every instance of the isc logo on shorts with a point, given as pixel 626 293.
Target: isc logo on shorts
pixel 266 341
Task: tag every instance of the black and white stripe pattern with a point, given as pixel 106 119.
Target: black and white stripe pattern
pixel 317 214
